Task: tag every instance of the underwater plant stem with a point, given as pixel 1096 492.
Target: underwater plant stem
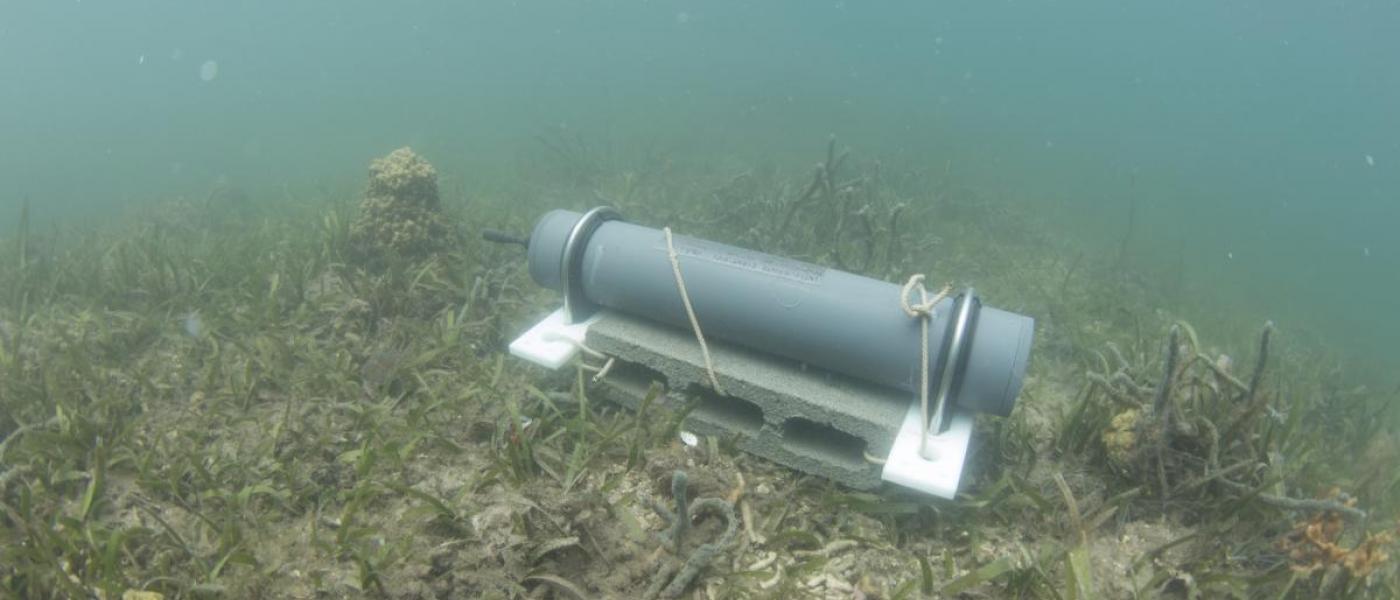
pixel 659 581
pixel 1075 518
pixel 1220 373
pixel 892 247
pixel 1069 273
pixel 1301 504
pixel 21 430
pixel 1161 406
pixel 1253 402
pixel 6 476
pixel 1259 364
pixel 1160 403
pixel 679 483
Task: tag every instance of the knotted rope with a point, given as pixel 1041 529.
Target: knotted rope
pixel 923 311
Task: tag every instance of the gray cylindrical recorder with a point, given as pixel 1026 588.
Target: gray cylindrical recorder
pixel 826 318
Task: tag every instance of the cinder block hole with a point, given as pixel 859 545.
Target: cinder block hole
pixel 634 379
pixel 734 414
pixel 824 443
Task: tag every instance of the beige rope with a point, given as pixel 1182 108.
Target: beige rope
pixel 690 311
pixel 923 311
pixel 601 371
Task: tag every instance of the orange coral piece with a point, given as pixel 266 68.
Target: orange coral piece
pixel 1313 545
pixel 1369 555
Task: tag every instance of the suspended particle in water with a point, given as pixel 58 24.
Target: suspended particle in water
pixel 141 60
pixel 1366 252
pixel 192 324
pixel 1370 160
pixel 209 70
pixel 682 18
pixel 1224 363
pixel 1230 255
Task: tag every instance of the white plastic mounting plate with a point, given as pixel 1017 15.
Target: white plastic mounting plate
pixel 938 476
pixel 553 342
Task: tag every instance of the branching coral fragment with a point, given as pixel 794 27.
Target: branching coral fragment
pixel 663 584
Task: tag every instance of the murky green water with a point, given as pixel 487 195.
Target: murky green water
pixel 1253 145
pixel 250 348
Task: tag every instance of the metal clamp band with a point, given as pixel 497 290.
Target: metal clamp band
pixel 576 305
pixel 955 358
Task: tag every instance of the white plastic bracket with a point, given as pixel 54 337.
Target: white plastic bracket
pixel 939 474
pixel 553 342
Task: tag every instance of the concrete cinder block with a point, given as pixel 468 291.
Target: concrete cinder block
pixel 805 418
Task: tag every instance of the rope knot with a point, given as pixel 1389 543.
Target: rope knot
pixel 923 311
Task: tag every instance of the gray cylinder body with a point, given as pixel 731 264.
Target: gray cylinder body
pixel 824 317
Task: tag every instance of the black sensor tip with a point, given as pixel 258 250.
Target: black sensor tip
pixel 501 237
